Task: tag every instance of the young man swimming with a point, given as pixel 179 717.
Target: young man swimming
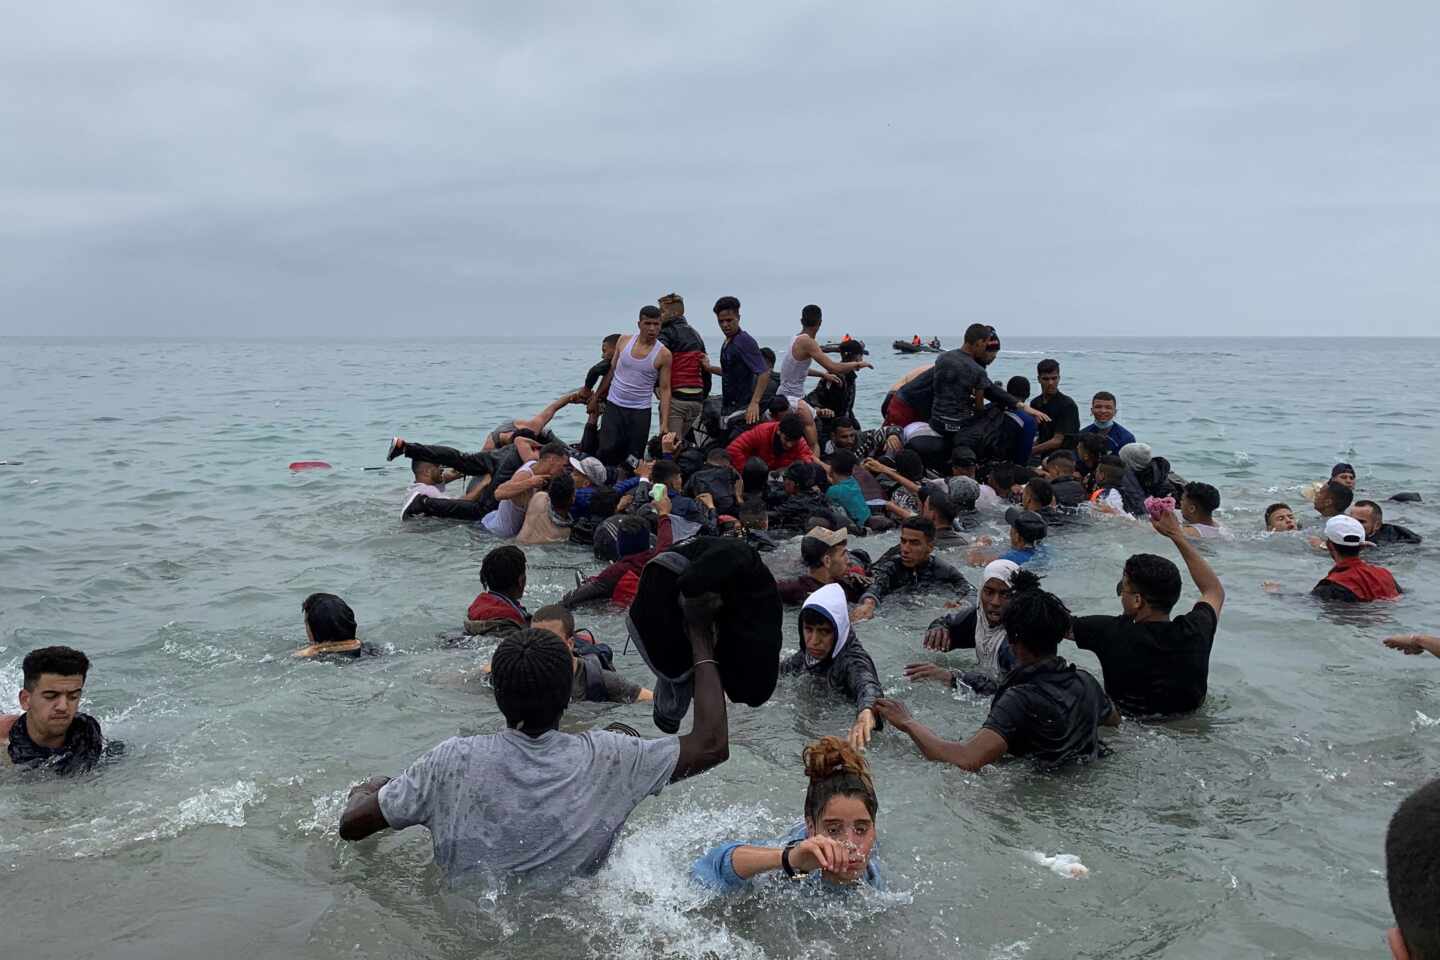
pixel 531 799
pixel 51 731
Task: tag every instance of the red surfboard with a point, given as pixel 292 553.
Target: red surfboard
pixel 309 465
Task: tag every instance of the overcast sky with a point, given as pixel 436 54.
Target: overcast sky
pixel 458 167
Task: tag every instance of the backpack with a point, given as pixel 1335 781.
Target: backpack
pixel 594 679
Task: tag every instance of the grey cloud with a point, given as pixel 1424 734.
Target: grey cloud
pixel 380 169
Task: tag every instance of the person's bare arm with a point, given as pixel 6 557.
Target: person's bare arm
pixel 986 746
pixel 1111 719
pixel 541 420
pixel 522 483
pixel 1205 580
pixel 362 816
pixel 752 410
pixel 527 448
pixel 708 742
pixel 663 363
pixel 1052 444
pixel 646 695
pixel 477 491
pixel 811 349
pixel 1408 643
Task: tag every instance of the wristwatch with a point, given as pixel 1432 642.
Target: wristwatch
pixel 785 861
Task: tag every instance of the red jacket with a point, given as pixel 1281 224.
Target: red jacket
pixel 492 606
pixel 759 441
pixel 1365 580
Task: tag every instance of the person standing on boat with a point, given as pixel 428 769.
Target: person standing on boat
pixel 795 368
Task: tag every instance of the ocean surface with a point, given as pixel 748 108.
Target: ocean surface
pixel 152 521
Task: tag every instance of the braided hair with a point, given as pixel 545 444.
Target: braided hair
pixel 1035 619
pixel 503 569
pixel 836 769
pixel 532 673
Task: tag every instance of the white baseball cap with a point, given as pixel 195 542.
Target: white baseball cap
pixel 1346 532
pixel 593 469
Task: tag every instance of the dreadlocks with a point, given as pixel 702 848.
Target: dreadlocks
pixel 532 671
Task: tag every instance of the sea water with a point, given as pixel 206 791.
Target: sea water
pixel 152 521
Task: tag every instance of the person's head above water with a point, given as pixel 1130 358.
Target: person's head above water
pixel 532 673
pixel 917 541
pixel 962 462
pixel 503 571
pixel 1345 538
pixel 1091 447
pixel 1027 528
pixel 840 803
pixel 558 620
pixel 1038 495
pixel 1343 473
pixel 426 472
pixel 727 315
pixel 562 493
pixel 1279 518
pixel 554 458
pixel 810 318
pixel 1370 515
pixel 1149 588
pixel 843 463
pixel 1199 502
pixel 998 583
pixel 1110 471
pixel 1060 465
pixel 1102 409
pixel 1035 623
pixel 328 619
pixel 1412 866
pixel 825 553
pixel 1333 498
pixel 54 679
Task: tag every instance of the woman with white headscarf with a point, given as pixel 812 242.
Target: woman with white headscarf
pixel 978 628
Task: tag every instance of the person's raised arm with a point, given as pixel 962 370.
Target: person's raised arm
pixel 362 816
pixel 838 367
pixel 708 742
pixel 986 746
pixel 662 388
pixel 1206 581
pixel 527 448
pixel 520 484
pixel 541 420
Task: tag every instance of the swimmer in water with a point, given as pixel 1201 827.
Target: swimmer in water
pixel 1343 473
pixel 330 627
pixel 1413 644
pixel 1197 505
pixel 1333 498
pixel 52 732
pixel 834 843
pixel 532 799
pixel 829 649
pixel 1280 518
pixel 981 629
pixel 1412 858
pixel 1046 709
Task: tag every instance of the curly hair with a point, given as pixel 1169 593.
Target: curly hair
pixel 532 673
pixel 503 569
pixel 836 769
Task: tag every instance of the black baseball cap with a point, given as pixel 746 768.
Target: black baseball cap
pixel 1031 525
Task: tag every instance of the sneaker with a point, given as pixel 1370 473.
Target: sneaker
pixel 411 504
pixel 397 447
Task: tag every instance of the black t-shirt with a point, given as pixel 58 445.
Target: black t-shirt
pixel 1064 417
pixel 1050 711
pixel 1152 668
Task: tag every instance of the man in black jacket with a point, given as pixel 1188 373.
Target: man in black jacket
pixel 910 566
pixel 1377 531
pixel 962 386
pixel 830 649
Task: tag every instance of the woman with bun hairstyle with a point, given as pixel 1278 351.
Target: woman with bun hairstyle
pixel 834 841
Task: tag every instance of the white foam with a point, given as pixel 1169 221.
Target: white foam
pixel 1065 865
pixel 1421 721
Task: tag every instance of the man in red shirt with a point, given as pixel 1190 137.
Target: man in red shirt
pixel 779 443
pixel 1352 580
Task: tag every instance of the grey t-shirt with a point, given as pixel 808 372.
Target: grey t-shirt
pixel 510 803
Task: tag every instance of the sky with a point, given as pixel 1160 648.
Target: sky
pixel 471 169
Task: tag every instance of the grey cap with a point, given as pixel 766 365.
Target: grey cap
pixel 1031 525
pixel 964 492
pixel 1137 456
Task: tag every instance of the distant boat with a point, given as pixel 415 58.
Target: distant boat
pixel 835 345
pixel 909 346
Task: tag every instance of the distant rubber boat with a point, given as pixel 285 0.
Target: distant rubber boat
pixel 835 345
pixel 908 346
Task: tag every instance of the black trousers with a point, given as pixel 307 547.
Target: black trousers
pixel 470 464
pixel 623 433
pixel 469 510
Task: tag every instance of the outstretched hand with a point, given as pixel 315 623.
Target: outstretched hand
pixel 919 672
pixel 894 713
pixel 864 726
pixel 936 638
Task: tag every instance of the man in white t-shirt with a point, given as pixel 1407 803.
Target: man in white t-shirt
pixel 531 799
pixel 514 494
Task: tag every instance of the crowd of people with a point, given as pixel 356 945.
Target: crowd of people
pixel 749 451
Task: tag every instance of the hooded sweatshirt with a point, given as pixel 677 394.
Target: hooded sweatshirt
pixel 968 628
pixel 848 667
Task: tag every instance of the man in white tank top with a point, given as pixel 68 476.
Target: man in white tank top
pixel 640 369
pixel 795 368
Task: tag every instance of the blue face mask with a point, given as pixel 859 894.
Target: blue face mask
pixel 1103 424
